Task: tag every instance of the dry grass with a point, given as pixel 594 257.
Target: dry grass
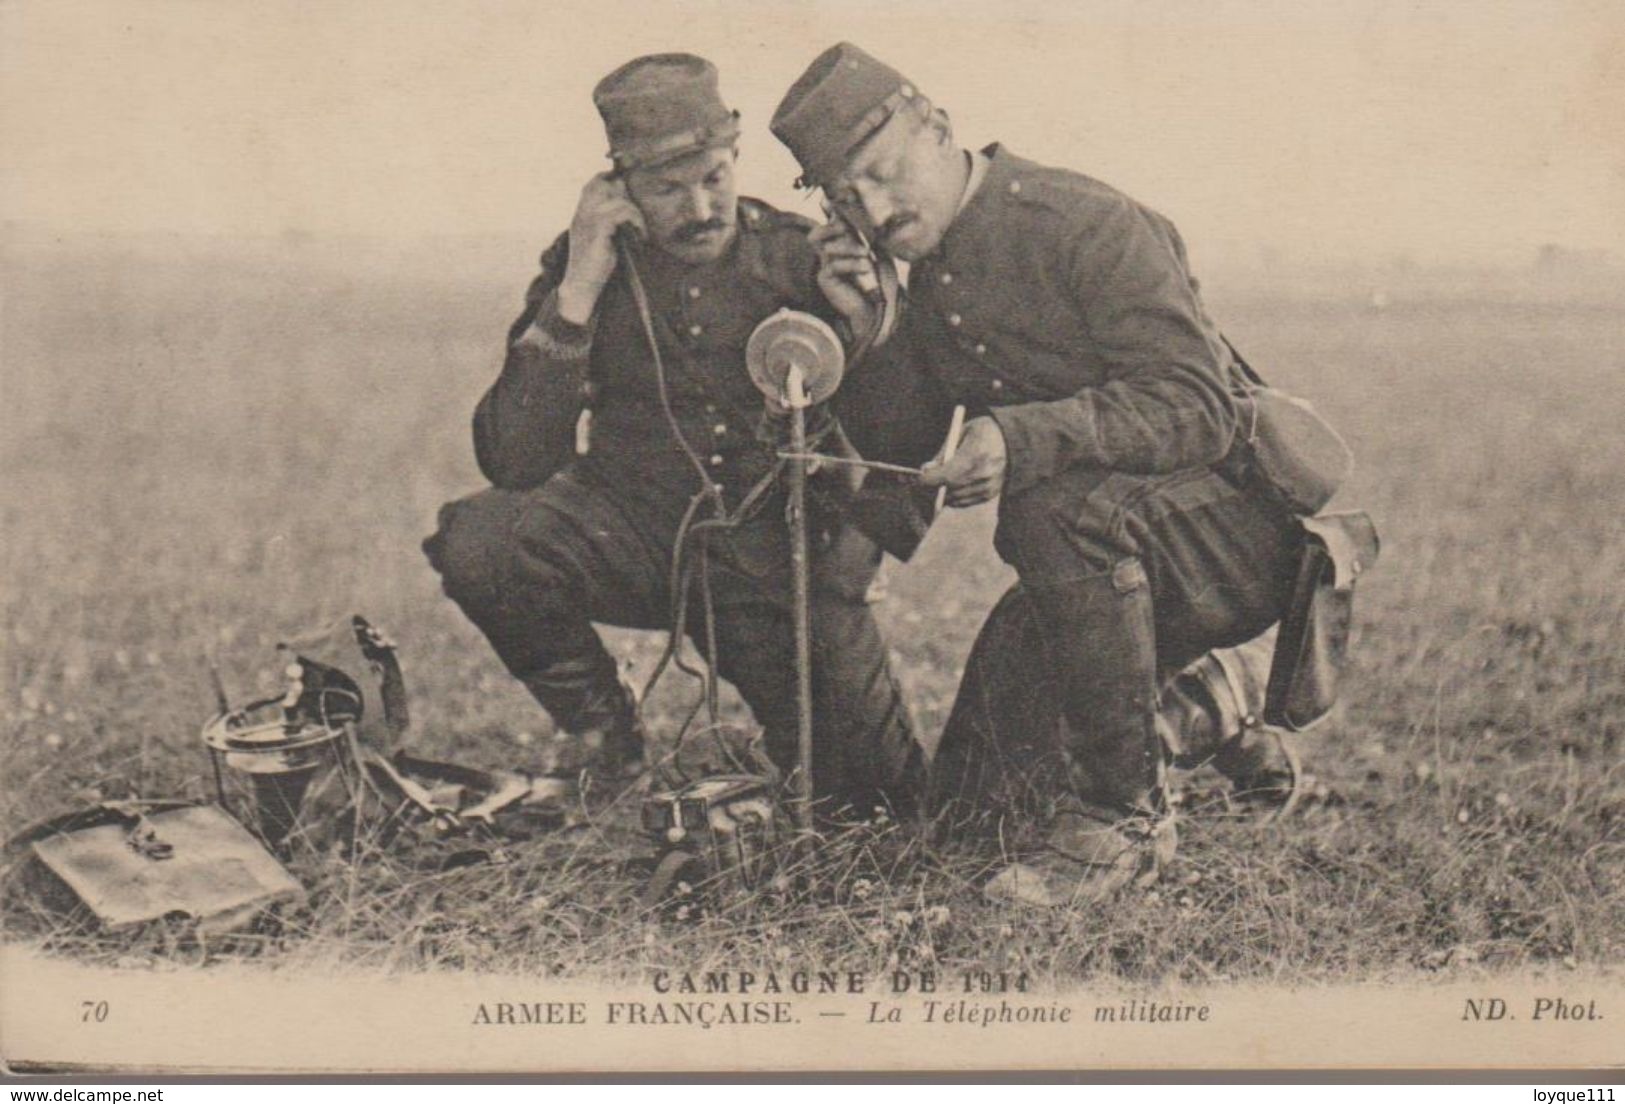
pixel 206 455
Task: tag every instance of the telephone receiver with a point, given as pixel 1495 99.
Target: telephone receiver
pixel 627 238
pixel 868 283
pixel 882 287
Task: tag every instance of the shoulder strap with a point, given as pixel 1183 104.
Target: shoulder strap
pixel 1241 362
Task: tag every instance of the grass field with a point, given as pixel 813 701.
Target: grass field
pixel 208 453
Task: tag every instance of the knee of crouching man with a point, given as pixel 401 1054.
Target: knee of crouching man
pixel 1052 538
pixel 434 545
pixel 468 548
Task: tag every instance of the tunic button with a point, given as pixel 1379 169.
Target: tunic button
pixel 997 385
pixel 946 278
pixel 981 350
pixel 716 459
pixel 694 292
pixel 696 330
pixel 954 320
pixel 719 429
pixel 710 408
pixel 1015 187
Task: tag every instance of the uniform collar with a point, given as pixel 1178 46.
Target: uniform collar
pixel 973 180
pixel 999 181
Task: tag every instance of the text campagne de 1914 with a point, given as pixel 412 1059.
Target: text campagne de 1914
pixel 769 998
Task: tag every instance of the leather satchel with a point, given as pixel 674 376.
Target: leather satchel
pixel 1311 646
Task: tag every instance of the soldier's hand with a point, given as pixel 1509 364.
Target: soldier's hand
pixel 976 472
pixel 604 208
pixel 843 261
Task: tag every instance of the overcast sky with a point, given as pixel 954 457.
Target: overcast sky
pixel 1453 131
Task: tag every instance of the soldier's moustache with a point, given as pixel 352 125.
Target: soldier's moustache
pixel 695 229
pixel 894 226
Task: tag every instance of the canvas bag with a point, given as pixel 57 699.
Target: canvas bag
pixel 1296 451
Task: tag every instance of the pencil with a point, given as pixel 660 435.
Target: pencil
pixel 955 426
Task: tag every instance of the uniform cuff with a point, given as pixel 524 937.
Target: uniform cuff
pixel 1028 444
pixel 554 336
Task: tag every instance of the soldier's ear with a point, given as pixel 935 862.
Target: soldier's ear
pixel 940 122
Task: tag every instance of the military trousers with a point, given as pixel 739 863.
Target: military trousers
pixel 1130 578
pixel 534 569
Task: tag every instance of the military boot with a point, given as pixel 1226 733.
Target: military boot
pixel 1090 854
pixel 1101 639
pixel 1211 714
pixel 1111 829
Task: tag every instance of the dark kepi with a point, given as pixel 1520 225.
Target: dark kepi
pixel 660 107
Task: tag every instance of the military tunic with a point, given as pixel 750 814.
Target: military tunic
pixel 1066 312
pixel 564 540
pixel 704 315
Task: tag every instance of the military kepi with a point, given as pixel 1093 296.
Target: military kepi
pixel 843 98
pixel 661 107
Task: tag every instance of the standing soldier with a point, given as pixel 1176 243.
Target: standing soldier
pixel 584 524
pixel 1063 315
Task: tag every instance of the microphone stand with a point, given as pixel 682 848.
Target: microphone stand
pixel 798 400
pixel 795 359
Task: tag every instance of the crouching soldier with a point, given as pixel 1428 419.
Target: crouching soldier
pixel 1063 316
pixel 585 518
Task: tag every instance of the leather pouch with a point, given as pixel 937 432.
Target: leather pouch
pixel 1311 648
